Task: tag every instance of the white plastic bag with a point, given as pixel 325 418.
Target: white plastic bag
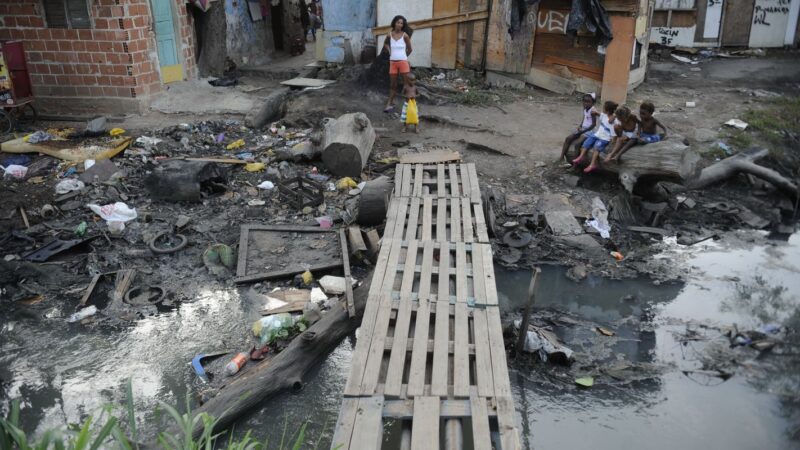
pixel 69 185
pixel 266 185
pixel 15 171
pixel 115 214
pixel 600 218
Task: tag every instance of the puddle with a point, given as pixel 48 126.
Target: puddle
pixel 62 372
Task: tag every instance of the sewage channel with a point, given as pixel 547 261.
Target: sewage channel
pixel 653 386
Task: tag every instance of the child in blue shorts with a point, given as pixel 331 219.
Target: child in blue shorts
pixel 648 129
pixel 599 140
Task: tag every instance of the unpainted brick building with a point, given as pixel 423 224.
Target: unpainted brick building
pixel 101 56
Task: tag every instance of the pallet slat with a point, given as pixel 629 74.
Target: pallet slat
pixel 425 428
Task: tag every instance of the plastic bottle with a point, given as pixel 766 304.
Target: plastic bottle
pixel 236 364
pixel 82 314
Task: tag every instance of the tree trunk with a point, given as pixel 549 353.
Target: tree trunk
pixel 669 159
pixel 286 370
pixel 273 108
pixel 292 26
pixel 212 45
pixel 743 162
pixel 347 143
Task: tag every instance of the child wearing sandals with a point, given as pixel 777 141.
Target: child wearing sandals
pixel 624 131
pixel 599 140
pixel 648 130
pixel 590 114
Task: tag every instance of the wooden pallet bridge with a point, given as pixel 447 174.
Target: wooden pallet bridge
pixel 430 354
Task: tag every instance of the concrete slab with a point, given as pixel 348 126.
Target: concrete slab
pixel 199 97
pixel 562 223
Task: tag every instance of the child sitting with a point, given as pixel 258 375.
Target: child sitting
pixel 580 134
pixel 648 129
pixel 598 141
pixel 625 131
pixel 410 114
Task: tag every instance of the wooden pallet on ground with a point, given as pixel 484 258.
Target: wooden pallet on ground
pixel 437 180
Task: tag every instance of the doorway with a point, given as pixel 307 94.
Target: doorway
pixel 167 46
pixel 738 18
pixel 276 12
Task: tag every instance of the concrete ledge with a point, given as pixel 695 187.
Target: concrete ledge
pixel 90 106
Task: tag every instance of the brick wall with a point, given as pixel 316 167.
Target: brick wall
pixel 116 59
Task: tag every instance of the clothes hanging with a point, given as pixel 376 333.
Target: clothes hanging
pixel 592 15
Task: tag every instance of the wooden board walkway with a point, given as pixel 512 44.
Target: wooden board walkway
pixel 430 352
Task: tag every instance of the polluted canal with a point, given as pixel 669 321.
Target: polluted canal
pixel 666 370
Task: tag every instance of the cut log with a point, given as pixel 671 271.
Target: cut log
pixel 743 162
pixel 669 159
pixel 285 371
pixel 347 143
pixel 373 203
pixel 273 108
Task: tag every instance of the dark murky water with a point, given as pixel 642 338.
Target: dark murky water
pixel 62 371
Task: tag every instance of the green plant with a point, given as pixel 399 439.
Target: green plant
pixel 90 436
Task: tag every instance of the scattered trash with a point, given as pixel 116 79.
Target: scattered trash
pixel 269 328
pixel 517 239
pixel 69 185
pixel 545 344
pixel 236 364
pixel 725 148
pixel 116 131
pixel 600 218
pixel 255 167
pixel 223 82
pixel 605 331
pixel 235 144
pixel 317 295
pixel 115 214
pixel 301 193
pixel 325 222
pixel 736 123
pixel 691 104
pixel 82 314
pixel 169 246
pixel 53 248
pixel 586 382
pixel 48 212
pixel 197 363
pixel 219 257
pixel 37 137
pixel 617 255
pixel 266 185
pixel 97 125
pixel 334 285
pixel 307 277
pixel 143 296
pixel 15 171
pixel 346 183
pixel 80 230
pixel 256 202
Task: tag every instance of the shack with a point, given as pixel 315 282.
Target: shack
pixel 725 23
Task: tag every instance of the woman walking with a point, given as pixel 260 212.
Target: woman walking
pixel 398 44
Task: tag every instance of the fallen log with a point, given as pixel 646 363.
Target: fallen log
pixel 285 371
pixel 743 162
pixel 347 143
pixel 273 109
pixel 670 159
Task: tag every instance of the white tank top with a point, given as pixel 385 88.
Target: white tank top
pixel 398 48
pixel 587 117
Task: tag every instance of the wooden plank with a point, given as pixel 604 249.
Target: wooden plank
pixel 482 233
pixel 488 273
pixel 506 52
pixel 400 223
pixel 343 432
pixel 397 358
pixel 294 306
pixel 453 172
pixel 466 189
pixel 502 385
pixel 418 172
pixel 440 188
pixel 461 273
pixel 351 307
pixel 355 239
pixel 444 39
pixel 376 347
pixel 448 409
pixel 481 436
pixel 539 76
pixel 455 219
pixel 406 191
pixel 368 427
pixel 441 337
pixel 460 352
pixel 398 180
pixel 475 194
pixel 469 16
pixel 427 219
pixel 419 354
pixel 425 426
pixel 562 223
pixel 466 221
pixel 413 218
pixel 241 260
pixel 509 439
pixel 307 82
pixel 616 70
pixel 572 64
pixel 438 155
pixel 483 357
pixel 441 220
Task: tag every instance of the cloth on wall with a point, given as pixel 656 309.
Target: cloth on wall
pixel 592 15
pixel 202 4
pixel 519 10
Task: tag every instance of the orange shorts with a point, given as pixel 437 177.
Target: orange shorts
pixel 400 67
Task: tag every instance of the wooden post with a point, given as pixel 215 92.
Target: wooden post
pixel 523 329
pixel 617 66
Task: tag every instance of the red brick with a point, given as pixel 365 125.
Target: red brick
pixel 29 34
pixel 5 34
pixel 49 79
pixel 10 22
pixel 37 22
pixel 96 91
pixel 104 80
pixel 82 91
pixel 56 69
pixel 89 80
pixel 35 46
pixel 110 91
pixel 62 80
pixel 92 46
pixel 43 34
pixel 71 34
pixel 23 21
pixel 51 45
pixel 34 56
pixel 101 24
pixel 69 69
pixel 65 46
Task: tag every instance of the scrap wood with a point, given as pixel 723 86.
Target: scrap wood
pixel 469 16
pixel 78 154
pixel 430 157
pixel 294 306
pixel 355 239
pixel 291 295
pixel 351 309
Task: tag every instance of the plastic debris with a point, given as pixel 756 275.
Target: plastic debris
pixel 256 202
pixel 617 255
pixel 545 344
pixel 15 171
pixel 346 183
pixel 255 167
pixel 37 137
pixel 236 364
pixel 308 278
pixel 317 295
pixel 115 214
pixel 738 124
pixel 334 285
pixel 116 131
pixel 235 144
pixel 600 218
pixel 585 381
pixel 148 141
pixel 272 327
pixel 324 222
pixel 88 164
pixel 80 230
pixel 82 314
pixel 266 185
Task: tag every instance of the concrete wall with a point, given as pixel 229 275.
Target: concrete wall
pixel 247 42
pixel 114 59
pixel 349 15
pixel 411 10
